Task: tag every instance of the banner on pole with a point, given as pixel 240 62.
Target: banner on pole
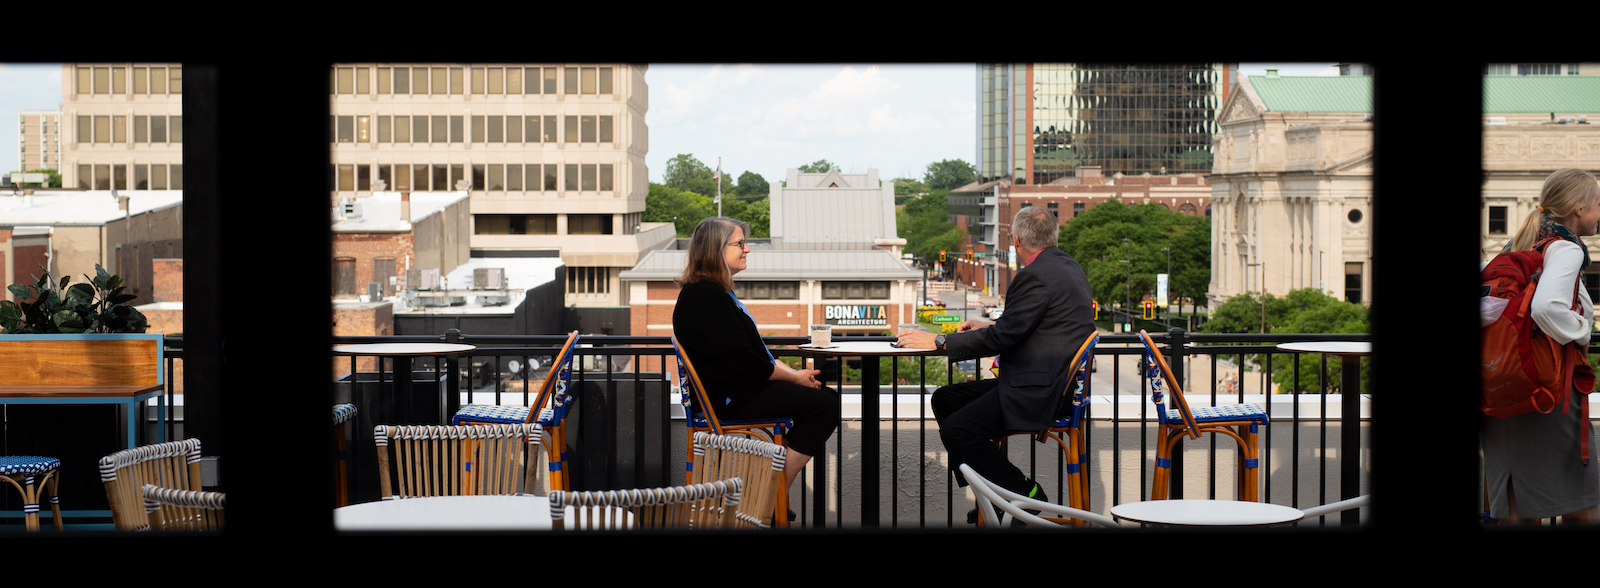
pixel 1161 290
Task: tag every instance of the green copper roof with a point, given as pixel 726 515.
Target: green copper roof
pixel 1314 93
pixel 1512 94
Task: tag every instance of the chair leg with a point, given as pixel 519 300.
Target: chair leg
pixel 342 480
pixel 30 504
pixel 55 499
pixel 780 510
pixel 1158 485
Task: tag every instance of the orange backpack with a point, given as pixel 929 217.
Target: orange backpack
pixel 1525 370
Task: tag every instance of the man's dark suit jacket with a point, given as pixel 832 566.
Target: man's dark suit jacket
pixel 722 342
pixel 1048 316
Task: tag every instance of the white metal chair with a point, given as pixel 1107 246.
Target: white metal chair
pixel 1012 504
pixel 1334 507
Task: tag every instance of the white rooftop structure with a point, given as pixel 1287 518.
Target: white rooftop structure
pixel 382 211
pixel 833 211
pixel 856 264
pixel 521 274
pixel 80 207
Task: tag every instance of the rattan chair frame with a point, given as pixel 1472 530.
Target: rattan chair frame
pixel 557 392
pixel 183 510
pixel 28 486
pixel 342 415
pixel 444 460
pixel 1011 505
pixel 1069 435
pixel 1244 431
pixel 695 506
pixel 689 384
pixel 175 464
pixel 758 463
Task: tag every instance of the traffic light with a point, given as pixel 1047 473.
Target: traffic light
pixel 1096 304
pixel 941 257
pixel 1149 310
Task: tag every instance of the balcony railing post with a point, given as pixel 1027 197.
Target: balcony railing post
pixel 452 367
pixel 1174 351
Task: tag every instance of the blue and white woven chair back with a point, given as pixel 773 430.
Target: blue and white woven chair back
pixel 183 510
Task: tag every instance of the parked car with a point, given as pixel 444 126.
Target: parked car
pixel 994 313
pixel 932 302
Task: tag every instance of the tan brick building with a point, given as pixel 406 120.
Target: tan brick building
pixel 122 126
pixel 39 140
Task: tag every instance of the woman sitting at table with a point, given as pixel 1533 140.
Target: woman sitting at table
pixel 740 376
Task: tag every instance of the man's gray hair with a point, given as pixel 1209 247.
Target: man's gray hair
pixel 1035 228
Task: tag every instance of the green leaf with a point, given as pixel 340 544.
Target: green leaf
pixel 137 323
pixel 100 272
pixel 21 291
pixel 64 280
pixel 67 318
pixel 113 283
pixel 10 314
pixel 123 298
pixel 80 294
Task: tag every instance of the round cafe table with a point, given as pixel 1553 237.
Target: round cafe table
pixel 1206 513
pixel 869 413
pixel 1349 353
pixel 449 513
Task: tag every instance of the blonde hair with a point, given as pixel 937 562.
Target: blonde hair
pixel 1564 192
pixel 706 261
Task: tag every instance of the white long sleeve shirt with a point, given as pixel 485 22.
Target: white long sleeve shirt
pixel 1552 302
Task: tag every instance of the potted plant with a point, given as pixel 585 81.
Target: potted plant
pixel 91 307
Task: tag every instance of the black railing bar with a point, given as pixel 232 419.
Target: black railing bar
pixel 1281 337
pixel 922 445
pixel 1322 480
pixel 894 439
pixel 1294 454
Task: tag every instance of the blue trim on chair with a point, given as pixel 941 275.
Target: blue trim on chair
pixel 1251 463
pixel 1072 468
pixel 1162 462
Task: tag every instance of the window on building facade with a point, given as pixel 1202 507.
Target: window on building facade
pixel 588 83
pixel 589 224
pixel 347 177
pixel 513 129
pixel 589 182
pixel 385 80
pixel 419 178
pixel 478 136
pixel 174 80
pixel 344 276
pixel 119 81
pixel 549 80
pixel 1497 220
pixel 457 130
pixel 550 177
pixel 102 177
pixel 457 174
pixel 384 136
pixel 141 80
pixel 119 129
pixel 386 177
pixel 102 129
pixel 1077 209
pixel 363 129
pixel 514 224
pixel 586 124
pixel 85 177
pixel 158 80
pixel 402 129
pixel 606 181
pixel 177 176
pixel 571 129
pixel 141 177
pixel 477 80
pixel 1352 282
pixel 344 79
pixel 513 177
pixel 455 80
pixel 441 129
pixel 572 177
pixel 497 132
pixel 478 183
pixel 419 129
pixel 158 177
pixel 855 290
pixel 363 177
pixel 588 280
pixel 441 178
pixel 158 129
pixel 605 80
pixel 363 81
pixel 605 129
pixel 1055 209
pixel 440 81
pixel 402 177
pixel 513 80
pixel 497 180
pixel 402 80
pixel 497 80
pixel 346 132
pixel 571 75
pixel 102 80
pixel 549 129
pixel 119 174
pixel 767 290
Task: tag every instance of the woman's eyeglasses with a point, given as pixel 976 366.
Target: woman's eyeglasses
pixel 739 244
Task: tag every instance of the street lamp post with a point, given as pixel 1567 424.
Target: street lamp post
pixel 1169 284
pixel 1127 289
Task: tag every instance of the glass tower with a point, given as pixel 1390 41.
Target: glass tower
pixel 1037 121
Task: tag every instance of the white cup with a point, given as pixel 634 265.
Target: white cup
pixel 821 335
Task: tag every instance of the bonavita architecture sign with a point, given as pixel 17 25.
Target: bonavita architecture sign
pixel 856 315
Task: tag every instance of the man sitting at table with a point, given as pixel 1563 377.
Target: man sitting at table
pixel 1048 315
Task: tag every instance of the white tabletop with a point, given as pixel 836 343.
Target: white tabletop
pixel 1208 513
pixel 865 348
pixel 403 348
pixel 1330 347
pixel 446 513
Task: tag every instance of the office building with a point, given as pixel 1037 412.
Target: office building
pixel 1291 188
pixel 38 140
pixel 551 155
pixel 122 126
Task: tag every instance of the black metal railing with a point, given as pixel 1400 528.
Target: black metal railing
pixel 631 444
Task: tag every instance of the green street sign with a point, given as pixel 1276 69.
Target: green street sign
pixel 977 255
pixel 946 318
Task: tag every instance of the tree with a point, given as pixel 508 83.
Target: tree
pixel 949 174
pixel 909 187
pixel 52 181
pixel 1307 310
pixel 684 172
pixel 683 209
pixel 756 212
pixel 925 224
pixel 752 185
pixel 820 166
pixel 1095 237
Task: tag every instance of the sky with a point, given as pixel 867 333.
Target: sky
pixel 768 118
pixel 24 87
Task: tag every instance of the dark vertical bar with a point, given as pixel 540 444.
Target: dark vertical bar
pixel 894 440
pixel 1294 442
pixel 922 442
pixel 1322 464
pixel 640 427
pixel 1350 436
pixel 610 394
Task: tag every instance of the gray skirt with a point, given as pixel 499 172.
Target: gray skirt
pixel 1537 456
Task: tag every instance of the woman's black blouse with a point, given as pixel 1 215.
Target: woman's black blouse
pixel 722 343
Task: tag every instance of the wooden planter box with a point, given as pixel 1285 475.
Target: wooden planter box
pixel 82 360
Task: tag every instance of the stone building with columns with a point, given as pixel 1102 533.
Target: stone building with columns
pixel 1533 126
pixel 1291 188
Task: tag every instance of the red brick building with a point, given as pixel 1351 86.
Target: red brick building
pixel 377 238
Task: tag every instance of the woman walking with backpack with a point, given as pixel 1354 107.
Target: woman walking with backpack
pixel 1534 463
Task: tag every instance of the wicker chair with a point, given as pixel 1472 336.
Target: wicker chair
pixel 706 420
pixel 1011 504
pixel 342 413
pixel 698 506
pixel 1240 421
pixel 174 464
pixel 437 460
pixel 1066 432
pixel 182 510
pixel 556 390
pixel 28 474
pixel 758 463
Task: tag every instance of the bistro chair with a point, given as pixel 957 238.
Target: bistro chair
pixel 182 510
pixel 342 413
pixel 696 506
pixel 1240 421
pixel 1067 432
pixel 440 460
pixel 175 464
pixel 705 419
pixel 556 390
pixel 1336 507
pixel 758 463
pixel 29 474
pixel 1011 505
